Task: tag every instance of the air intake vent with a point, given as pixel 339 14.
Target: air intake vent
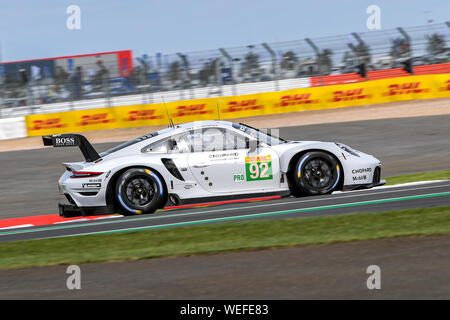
pixel 172 168
pixel 377 175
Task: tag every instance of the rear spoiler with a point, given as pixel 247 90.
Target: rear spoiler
pixel 73 140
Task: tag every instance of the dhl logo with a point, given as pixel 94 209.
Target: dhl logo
pixel 243 105
pixel 47 124
pixel 191 110
pixel 348 95
pixel 447 88
pixel 137 115
pixel 296 99
pixel 99 118
pixel 404 88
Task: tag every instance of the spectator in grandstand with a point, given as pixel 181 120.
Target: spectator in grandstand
pixel 76 83
pixel 101 78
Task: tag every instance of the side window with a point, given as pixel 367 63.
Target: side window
pixel 219 139
pixel 235 141
pixel 180 143
pixel 194 137
pixel 156 147
pixel 176 144
pixel 213 139
pixel 200 140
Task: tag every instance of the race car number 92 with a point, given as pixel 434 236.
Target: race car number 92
pixel 258 168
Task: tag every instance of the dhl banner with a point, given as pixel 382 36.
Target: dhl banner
pixel 337 96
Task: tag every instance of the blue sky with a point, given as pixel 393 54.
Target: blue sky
pixel 37 29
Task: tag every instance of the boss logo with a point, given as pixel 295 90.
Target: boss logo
pixel 65 141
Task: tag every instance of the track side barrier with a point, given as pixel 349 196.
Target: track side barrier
pixel 314 98
pixel 12 128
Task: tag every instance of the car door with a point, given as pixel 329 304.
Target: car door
pixel 222 163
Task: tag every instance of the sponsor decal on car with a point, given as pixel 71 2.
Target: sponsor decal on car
pixel 238 177
pixel 358 178
pixel 66 141
pixel 258 168
pixel 224 156
pixel 91 185
pixel 355 171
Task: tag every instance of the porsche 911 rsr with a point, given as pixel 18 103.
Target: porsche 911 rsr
pixel 204 161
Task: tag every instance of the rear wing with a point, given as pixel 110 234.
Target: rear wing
pixel 73 140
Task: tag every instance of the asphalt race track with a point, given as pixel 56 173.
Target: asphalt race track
pixel 29 178
pixel 411 268
pixel 414 268
pixel 373 200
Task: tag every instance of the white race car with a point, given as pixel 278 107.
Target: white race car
pixel 205 161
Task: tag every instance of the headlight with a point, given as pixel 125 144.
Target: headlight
pixel 347 149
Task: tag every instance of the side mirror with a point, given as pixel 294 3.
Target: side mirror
pixel 252 145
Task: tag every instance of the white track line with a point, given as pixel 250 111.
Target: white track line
pixel 214 219
pixel 18 226
pixel 350 194
pixel 142 218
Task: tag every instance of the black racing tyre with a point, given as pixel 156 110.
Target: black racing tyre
pixel 315 173
pixel 139 191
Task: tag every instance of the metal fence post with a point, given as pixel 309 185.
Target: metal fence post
pixel 317 52
pixel 274 65
pixel 408 40
pixel 219 75
pixel 231 62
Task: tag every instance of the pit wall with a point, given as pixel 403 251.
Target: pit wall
pixel 314 98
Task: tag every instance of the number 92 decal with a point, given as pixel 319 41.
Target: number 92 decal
pixel 258 168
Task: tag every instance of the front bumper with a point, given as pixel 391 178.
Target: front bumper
pixel 362 170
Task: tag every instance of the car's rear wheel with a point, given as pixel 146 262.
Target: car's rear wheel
pixel 139 191
pixel 315 173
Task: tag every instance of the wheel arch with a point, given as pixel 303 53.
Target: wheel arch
pixel 110 189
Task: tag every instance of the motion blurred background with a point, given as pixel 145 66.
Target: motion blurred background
pixel 90 77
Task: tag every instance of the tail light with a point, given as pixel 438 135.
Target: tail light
pixel 85 174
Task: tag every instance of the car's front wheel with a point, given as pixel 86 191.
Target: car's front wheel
pixel 139 191
pixel 315 173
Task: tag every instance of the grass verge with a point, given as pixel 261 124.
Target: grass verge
pixel 423 176
pixel 224 237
